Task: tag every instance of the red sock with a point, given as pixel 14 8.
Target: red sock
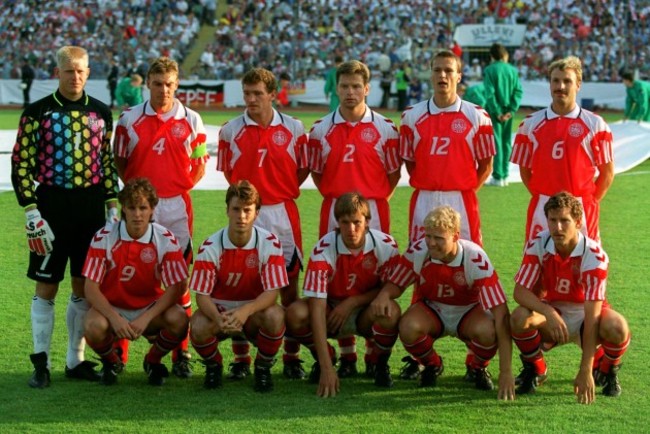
pixel 482 354
pixel 613 354
pixel 348 347
pixel 105 349
pixel 241 350
pixel 291 349
pixel 268 344
pixel 384 339
pixel 122 347
pixel 422 350
pixel 165 342
pixel 209 350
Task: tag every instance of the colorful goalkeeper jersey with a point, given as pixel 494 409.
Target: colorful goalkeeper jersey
pixel 65 144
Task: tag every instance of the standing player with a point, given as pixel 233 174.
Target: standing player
pixel 125 265
pixel 560 288
pixel 569 142
pixel 458 293
pixel 447 145
pixel 354 149
pixel 269 149
pixel 164 141
pixel 330 84
pixel 637 98
pixel 503 94
pixel 64 145
pixel 237 276
pixel 345 272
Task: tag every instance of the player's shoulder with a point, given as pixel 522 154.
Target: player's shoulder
pixel 131 114
pixel 383 238
pixel 533 119
pixel 595 250
pixel 415 111
pixel 594 121
pixel 325 243
pixel 102 108
pixel 538 243
pixel 234 124
pixel 267 237
pixel 417 247
pixel 38 108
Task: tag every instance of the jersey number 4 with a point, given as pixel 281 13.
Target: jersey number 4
pixel 159 146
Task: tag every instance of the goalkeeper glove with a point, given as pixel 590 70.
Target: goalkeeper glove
pixel 39 234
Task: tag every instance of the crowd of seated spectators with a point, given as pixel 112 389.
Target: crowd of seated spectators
pixel 303 37
pixel 129 31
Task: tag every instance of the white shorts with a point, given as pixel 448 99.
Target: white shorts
pixel 172 213
pixel 132 314
pixel 428 200
pixel 573 315
pixel 450 315
pixel 277 220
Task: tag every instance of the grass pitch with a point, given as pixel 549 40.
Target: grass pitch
pixel 453 406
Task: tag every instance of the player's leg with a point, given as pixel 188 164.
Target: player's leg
pixel 614 335
pixel 267 328
pixel 42 317
pixel 419 327
pixel 525 327
pixel 204 337
pixel 477 330
pixel 78 232
pixel 506 147
pixel 100 337
pixel 169 329
pixel 291 358
pixel 497 172
pixel 384 332
pixel 298 320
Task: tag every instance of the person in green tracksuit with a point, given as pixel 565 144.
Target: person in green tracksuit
pixel 330 84
pixel 129 91
pixel 503 94
pixel 402 86
pixel 637 101
pixel 476 94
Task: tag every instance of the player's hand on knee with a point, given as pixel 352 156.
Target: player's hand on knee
pixel 39 235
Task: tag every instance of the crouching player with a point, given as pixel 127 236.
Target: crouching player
pixel 458 293
pixel 345 272
pixel 560 288
pixel 237 276
pixel 125 266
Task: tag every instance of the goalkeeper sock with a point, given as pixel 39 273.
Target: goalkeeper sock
pixel 42 313
pixel 75 315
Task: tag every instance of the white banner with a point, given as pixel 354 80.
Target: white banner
pixel 536 93
pixel 484 35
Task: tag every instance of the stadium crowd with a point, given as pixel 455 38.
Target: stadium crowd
pixel 304 37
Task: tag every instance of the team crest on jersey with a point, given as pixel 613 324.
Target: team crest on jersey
pixel 95 124
pixel 251 261
pixel 459 278
pixel 179 131
pixel 148 255
pixel 369 135
pixel 280 138
pixel 459 126
pixel 576 129
pixel 369 263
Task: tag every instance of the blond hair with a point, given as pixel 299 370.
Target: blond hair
pixel 443 217
pixel 569 62
pixel 353 67
pixel 71 54
pixel 163 65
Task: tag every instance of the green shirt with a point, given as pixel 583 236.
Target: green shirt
pixel 637 103
pixel 330 89
pixel 503 89
pixel 475 94
pixel 127 94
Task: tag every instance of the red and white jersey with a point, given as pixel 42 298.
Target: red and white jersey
pixel 469 278
pixel 267 157
pixel 567 147
pixel 335 272
pixel 582 276
pixel 161 148
pixel 230 273
pixel 445 144
pixel 354 157
pixel 129 272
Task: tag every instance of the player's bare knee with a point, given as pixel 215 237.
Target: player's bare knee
pixel 273 318
pixel 614 329
pixel 96 326
pixel 176 321
pixel 201 328
pixel 392 321
pixel 297 315
pixel 519 320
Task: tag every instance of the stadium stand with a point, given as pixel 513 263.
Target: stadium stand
pixel 305 36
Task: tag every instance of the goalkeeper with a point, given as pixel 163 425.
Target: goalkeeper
pixel 63 146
